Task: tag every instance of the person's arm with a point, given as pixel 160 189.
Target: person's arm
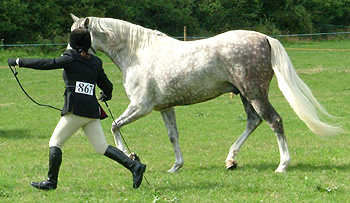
pixel 45 64
pixel 105 85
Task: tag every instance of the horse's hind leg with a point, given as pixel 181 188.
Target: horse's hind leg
pixel 170 123
pixel 253 121
pixel 269 114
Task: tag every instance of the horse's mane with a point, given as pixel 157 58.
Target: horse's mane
pixel 136 36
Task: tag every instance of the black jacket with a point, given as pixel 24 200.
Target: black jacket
pixel 80 76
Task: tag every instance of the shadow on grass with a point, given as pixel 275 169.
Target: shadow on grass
pixel 304 167
pixel 16 134
pixel 194 182
pixel 204 185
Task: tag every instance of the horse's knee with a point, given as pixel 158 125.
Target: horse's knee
pixel 114 128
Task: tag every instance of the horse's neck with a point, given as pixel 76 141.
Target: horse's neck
pixel 131 40
pixel 122 59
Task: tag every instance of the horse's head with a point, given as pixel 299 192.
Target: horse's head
pixel 79 22
pixel 86 23
pixel 119 39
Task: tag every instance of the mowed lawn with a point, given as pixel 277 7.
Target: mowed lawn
pixel 320 169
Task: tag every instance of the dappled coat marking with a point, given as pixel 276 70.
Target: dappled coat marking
pixel 160 72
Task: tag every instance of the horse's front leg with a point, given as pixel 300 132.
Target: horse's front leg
pixel 117 139
pixel 131 114
pixel 170 123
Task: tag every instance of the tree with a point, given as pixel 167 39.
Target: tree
pixel 35 21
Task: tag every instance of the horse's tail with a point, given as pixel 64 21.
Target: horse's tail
pixel 297 93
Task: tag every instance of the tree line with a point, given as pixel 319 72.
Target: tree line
pixel 38 21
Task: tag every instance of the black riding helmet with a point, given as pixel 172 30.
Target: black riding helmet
pixel 80 39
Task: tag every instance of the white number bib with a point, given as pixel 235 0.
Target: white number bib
pixel 84 88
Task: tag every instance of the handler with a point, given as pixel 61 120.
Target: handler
pixel 81 71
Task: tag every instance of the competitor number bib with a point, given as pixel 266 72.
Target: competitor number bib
pixel 84 88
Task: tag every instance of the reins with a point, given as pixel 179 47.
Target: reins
pixel 15 73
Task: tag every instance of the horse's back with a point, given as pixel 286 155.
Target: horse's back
pixel 223 56
pixel 184 73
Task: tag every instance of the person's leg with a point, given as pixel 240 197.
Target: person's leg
pixel 94 133
pixel 65 128
pixel 55 160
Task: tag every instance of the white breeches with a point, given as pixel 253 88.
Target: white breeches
pixel 70 123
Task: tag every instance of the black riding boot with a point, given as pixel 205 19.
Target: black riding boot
pixel 136 168
pixel 55 160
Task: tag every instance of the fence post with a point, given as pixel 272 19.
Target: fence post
pixel 185 33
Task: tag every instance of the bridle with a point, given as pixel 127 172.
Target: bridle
pixel 15 73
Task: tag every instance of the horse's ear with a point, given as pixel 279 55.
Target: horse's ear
pixel 86 23
pixel 75 18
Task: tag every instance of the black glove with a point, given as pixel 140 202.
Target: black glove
pixel 12 62
pixel 104 97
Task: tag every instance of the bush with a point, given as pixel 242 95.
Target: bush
pixel 33 21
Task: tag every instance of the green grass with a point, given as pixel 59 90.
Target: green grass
pixel 320 165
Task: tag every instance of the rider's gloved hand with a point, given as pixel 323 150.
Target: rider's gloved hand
pixel 12 62
pixel 104 97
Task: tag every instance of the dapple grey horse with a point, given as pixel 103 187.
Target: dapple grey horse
pixel 160 72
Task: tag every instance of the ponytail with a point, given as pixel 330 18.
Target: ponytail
pixel 85 54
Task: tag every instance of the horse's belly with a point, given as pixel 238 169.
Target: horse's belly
pixel 191 95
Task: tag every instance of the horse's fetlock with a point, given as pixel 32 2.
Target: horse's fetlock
pixel 173 139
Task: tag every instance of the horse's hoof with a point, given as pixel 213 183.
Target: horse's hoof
pixel 231 164
pixel 172 170
pixel 175 168
pixel 281 170
pixel 134 157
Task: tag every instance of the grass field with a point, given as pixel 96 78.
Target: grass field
pixel 320 165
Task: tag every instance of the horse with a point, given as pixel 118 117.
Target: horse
pixel 160 72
